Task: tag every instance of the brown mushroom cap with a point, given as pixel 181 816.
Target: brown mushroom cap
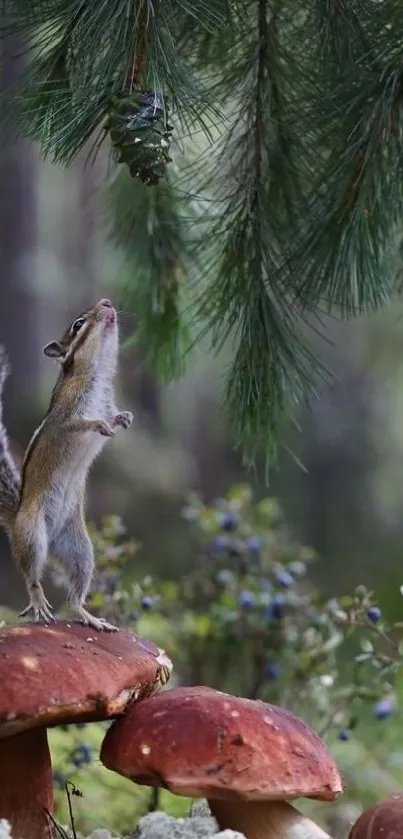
pixel 53 675
pixel 383 821
pixel 198 741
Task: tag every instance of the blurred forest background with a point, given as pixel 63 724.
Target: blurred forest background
pixel 345 501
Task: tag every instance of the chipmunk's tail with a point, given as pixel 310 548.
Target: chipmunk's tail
pixel 10 478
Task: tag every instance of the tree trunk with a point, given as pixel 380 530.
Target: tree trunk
pixel 18 235
pixel 18 321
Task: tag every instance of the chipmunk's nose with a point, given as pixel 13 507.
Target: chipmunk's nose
pixel 106 302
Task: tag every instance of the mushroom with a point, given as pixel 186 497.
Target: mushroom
pixel 246 757
pixel 383 821
pixel 58 675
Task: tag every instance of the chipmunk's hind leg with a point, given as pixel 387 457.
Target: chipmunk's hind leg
pixel 30 547
pixel 74 548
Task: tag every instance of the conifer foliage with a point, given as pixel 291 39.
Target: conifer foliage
pixel 256 150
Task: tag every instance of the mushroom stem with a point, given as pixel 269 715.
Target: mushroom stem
pixel 265 820
pixel 26 784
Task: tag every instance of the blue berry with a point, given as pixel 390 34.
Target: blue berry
pixel 284 579
pixel 345 734
pixel 277 606
pixel 147 603
pixel 246 600
pixel 273 670
pixel 374 614
pixel 229 522
pixel 86 751
pixel 220 543
pixel 82 755
pixel 254 544
pixel 383 708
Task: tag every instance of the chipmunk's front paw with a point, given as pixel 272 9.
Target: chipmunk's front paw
pixel 103 427
pixel 124 419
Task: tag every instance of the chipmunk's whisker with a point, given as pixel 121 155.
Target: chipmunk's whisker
pixel 125 313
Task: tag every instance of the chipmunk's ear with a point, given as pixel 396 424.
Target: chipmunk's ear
pixel 55 350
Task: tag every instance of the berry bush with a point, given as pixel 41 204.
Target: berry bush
pixel 246 618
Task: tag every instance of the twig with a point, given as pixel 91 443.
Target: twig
pixel 77 792
pixel 154 800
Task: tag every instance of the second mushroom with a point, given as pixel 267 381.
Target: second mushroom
pixel 246 757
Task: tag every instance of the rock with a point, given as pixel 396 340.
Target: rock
pixel 5 832
pixel 200 808
pixel 159 825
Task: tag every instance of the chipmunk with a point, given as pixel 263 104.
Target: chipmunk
pixel 43 509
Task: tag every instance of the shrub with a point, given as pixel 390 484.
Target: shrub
pixel 246 618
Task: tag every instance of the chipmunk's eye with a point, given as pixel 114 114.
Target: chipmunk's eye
pixel 77 325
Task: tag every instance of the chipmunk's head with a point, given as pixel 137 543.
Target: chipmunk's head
pixel 90 341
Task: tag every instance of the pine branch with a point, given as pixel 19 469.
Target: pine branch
pixel 151 226
pixel 207 49
pixel 287 120
pixel 245 299
pixel 84 54
pixel 340 29
pixel 347 256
